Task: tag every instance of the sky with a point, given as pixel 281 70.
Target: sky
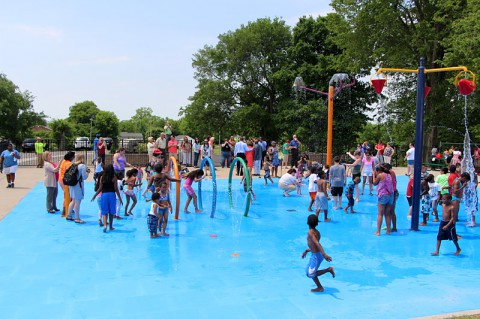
pixel 121 54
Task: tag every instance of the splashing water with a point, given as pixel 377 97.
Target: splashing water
pixel 470 195
pixel 384 114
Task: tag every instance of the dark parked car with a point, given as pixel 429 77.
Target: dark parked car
pixel 109 142
pixel 28 144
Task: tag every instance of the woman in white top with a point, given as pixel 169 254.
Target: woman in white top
pixel 77 192
pixel 150 148
pixel 288 182
pixel 50 182
pixel 388 153
pixel 410 157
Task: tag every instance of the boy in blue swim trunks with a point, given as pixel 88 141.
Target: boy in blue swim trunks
pixel 318 254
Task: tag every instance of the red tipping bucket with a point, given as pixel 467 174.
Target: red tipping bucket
pixel 378 85
pixel 427 90
pixel 466 87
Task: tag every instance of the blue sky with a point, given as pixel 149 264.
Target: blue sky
pixel 122 55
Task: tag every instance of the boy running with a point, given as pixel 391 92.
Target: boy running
pixel 447 230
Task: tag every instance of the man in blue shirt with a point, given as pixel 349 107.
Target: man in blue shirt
pixel 9 164
pixel 95 147
pixel 263 145
pixel 294 145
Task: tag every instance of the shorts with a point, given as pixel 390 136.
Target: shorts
pixel 450 233
pixel 409 199
pixel 386 199
pixel 267 174
pixel 189 190
pixel 312 267
pixel 356 175
pixel 10 170
pixel 108 203
pixel 129 192
pixel 336 191
pixel 321 202
pixel 313 195
pixel 287 187
pixel 152 222
pixel 365 174
pixel 410 162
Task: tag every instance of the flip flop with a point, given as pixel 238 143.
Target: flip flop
pixel 69 219
pixel 79 221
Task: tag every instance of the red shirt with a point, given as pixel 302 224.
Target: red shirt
pixel 451 178
pixel 249 156
pixel 380 148
pixel 410 188
pixel 101 151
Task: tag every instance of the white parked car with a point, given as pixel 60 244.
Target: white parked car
pixel 82 143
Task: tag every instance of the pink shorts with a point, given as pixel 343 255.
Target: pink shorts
pixel 189 190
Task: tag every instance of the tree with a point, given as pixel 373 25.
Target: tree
pixel 62 131
pixel 107 124
pixel 16 111
pixel 375 33
pixel 82 116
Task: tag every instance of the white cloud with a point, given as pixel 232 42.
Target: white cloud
pixel 36 31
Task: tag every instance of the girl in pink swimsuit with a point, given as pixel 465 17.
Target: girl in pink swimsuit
pixel 193 176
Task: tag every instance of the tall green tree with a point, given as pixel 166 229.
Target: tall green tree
pixel 62 131
pixel 16 111
pixel 107 124
pixel 81 116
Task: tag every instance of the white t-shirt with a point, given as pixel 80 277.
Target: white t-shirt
pixel 411 154
pixel 312 186
pixel 287 179
pixel 434 189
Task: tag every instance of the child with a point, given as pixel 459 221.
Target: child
pixel 157 178
pixel 318 254
pixel 98 169
pixel 154 216
pixel 426 202
pixel 139 177
pixel 99 196
pixel 206 151
pixel 193 176
pixel 266 167
pixel 164 205
pixel 350 192
pixel 118 204
pixel 447 230
pixel 299 175
pixel 409 195
pixel 434 192
pixel 312 186
pixel 129 190
pixel 321 200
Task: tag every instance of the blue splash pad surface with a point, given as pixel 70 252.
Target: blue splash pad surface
pixel 51 268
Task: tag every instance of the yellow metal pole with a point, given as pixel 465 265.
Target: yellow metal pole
pixel 331 92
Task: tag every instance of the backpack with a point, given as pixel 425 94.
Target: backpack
pixel 70 178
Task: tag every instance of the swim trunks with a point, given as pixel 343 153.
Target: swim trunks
pixel 312 267
pixel 321 201
pixel 450 233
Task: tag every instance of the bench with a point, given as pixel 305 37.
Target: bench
pixel 434 166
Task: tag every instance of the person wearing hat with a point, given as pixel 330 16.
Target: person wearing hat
pixel 39 150
pixel 95 147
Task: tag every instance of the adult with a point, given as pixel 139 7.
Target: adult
pixel 457 157
pixel 274 153
pixel 51 182
pixel 285 151
pixel 150 148
pixel 379 148
pixel 95 147
pixel 388 153
pixel 356 169
pixel 337 181
pixel 240 151
pixel 263 145
pixel 366 147
pixel 410 158
pixel 385 194
pixel 173 147
pixel 257 157
pixel 9 164
pixel 168 130
pixel 64 165
pixel 288 182
pixel 39 146
pixel 161 143
pixel 232 143
pixel 120 161
pixel 368 168
pixel 225 154
pixel 186 149
pixel 196 151
pixel 294 145
pixel 77 192
pixel 101 149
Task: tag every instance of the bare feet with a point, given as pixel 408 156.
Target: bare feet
pixel 435 220
pixel 310 209
pixel 435 253
pixel 457 252
pixel 345 210
pixel 327 219
pixel 423 224
pixel 111 228
pixel 186 211
pixel 318 289
pixel 394 230
pixel 330 269
pixel 377 233
pixel 165 234
pixel 198 210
